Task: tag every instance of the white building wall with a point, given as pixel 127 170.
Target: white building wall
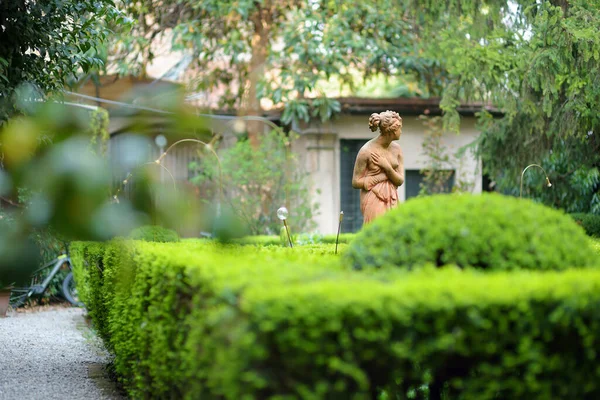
pixel 318 155
pixel 319 150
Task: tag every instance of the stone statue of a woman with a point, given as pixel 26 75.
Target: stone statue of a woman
pixel 379 167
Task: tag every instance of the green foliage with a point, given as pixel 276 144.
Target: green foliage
pixel 301 239
pixel 539 64
pixel 441 174
pixel 198 319
pixel 50 246
pixel 173 276
pixel 466 334
pixel 297 110
pixel 306 42
pixel 282 51
pixel 484 231
pixel 535 62
pixel 99 131
pixel 259 240
pixel 46 156
pixel 150 233
pixel 43 246
pixel 573 168
pixel 595 243
pixel 589 222
pixel 49 243
pixel 44 43
pixel 436 175
pixel 343 238
pixel 97 281
pixel 20 256
pixel 255 186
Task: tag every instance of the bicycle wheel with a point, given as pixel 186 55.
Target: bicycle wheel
pixel 18 297
pixel 70 290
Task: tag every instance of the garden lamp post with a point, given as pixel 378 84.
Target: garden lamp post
pixel 337 238
pixel 282 214
pixel 523 173
pixel 161 142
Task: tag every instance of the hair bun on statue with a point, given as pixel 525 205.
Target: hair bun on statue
pixel 374 121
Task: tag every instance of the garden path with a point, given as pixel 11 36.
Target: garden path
pixel 52 354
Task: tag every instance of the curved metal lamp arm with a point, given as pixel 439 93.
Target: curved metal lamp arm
pixel 158 162
pixel 523 173
pixel 166 169
pixel 229 119
pixel 209 147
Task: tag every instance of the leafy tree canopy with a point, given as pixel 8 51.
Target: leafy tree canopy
pixel 539 63
pixel 281 50
pixel 44 42
pixel 536 61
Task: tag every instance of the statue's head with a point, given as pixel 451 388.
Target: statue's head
pixel 388 123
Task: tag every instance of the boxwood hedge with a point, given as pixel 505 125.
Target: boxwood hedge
pixel 154 233
pixel 487 231
pixel 197 320
pixel 302 239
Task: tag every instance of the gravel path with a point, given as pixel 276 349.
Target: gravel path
pixel 51 355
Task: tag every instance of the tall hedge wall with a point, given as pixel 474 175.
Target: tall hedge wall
pixel 195 320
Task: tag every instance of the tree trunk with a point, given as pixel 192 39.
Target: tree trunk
pixel 564 4
pixel 260 43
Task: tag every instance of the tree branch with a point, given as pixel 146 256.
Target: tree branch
pixel 12 203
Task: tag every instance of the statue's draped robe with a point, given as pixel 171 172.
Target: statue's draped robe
pixel 379 198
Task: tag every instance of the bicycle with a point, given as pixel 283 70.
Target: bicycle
pixel 19 296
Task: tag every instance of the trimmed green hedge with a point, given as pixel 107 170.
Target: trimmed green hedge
pixel 298 240
pixel 344 238
pixel 96 267
pixel 487 231
pixel 589 222
pixel 87 259
pixel 259 240
pixel 264 245
pixel 126 281
pixel 595 243
pixel 513 335
pixel 198 320
pixel 154 233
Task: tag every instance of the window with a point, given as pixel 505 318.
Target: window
pixel 413 178
pixel 349 197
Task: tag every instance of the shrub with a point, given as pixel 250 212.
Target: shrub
pixel 199 320
pixel 485 231
pixel 153 233
pixel 131 286
pixel 301 239
pixel 255 186
pixel 471 335
pixel 589 222
pixel 259 240
pixel 595 243
pixel 88 268
pixel 344 238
